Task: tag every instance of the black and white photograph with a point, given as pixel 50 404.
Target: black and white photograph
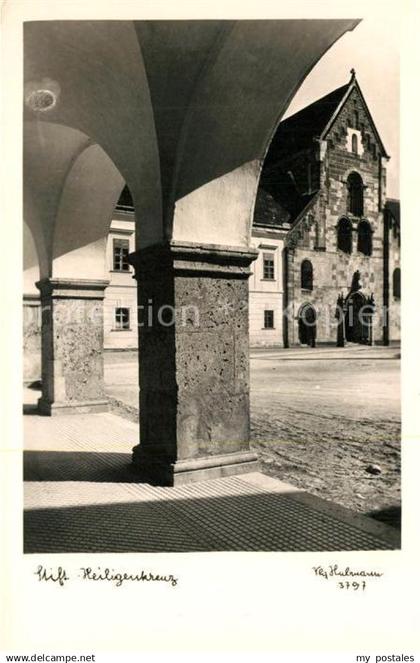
pixel 211 289
pixel 211 304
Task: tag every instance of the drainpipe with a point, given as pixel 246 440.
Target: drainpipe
pixel 386 220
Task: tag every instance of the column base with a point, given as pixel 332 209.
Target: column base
pixel 75 407
pixel 163 473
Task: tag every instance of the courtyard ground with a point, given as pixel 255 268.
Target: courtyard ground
pixel 319 418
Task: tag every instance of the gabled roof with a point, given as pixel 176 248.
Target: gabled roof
pixel 298 131
pixel 276 212
pixel 278 201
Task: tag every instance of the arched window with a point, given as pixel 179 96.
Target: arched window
pixel 306 275
pixel 396 283
pixel 355 194
pixel 307 325
pixel 364 238
pixel 354 144
pixel 344 236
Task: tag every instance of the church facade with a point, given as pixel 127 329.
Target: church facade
pixel 323 221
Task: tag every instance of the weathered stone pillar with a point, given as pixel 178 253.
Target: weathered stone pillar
pixel 31 338
pixel 194 368
pixel 72 346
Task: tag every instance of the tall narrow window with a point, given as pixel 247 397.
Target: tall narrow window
pixel 344 236
pixel 364 238
pixel 355 194
pixel 305 231
pixel 121 248
pixel 354 144
pixel 268 266
pixel 317 235
pixel 396 283
pixel 122 318
pixel 306 275
pixel 356 119
pixel 268 319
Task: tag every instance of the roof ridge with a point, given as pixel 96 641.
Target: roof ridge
pixel 344 88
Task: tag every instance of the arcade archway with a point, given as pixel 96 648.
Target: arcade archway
pixel 307 321
pixel 183 112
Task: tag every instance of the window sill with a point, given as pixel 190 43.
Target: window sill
pixel 268 328
pixel 121 271
pixel 307 289
pixel 122 330
pixel 271 280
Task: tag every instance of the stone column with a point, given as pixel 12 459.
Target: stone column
pixel 72 346
pixel 194 367
pixel 31 338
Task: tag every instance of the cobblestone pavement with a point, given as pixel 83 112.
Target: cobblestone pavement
pixel 82 495
pixel 319 418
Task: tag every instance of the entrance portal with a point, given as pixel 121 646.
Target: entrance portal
pixel 307 325
pixel 357 319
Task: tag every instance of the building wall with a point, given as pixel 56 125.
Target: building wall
pixel 122 290
pixel 333 269
pixel 266 294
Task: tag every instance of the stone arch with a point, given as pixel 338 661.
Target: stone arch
pixel 31 263
pixel 90 64
pixel 193 173
pixel 307 323
pixel 239 100
pixel 355 197
pixel 203 189
pixel 89 195
pixel 34 234
pixel 356 320
pixel 49 150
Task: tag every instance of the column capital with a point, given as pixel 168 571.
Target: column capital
pixel 189 257
pixel 60 288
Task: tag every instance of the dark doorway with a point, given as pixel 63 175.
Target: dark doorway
pixel 357 319
pixel 307 325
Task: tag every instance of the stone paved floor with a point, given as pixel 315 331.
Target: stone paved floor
pixel 81 494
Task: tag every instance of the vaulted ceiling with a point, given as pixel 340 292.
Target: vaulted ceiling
pixel 183 111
